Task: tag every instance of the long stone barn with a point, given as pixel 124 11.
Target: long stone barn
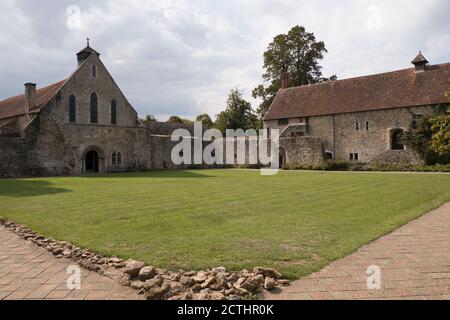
pixel 79 125
pixel 358 119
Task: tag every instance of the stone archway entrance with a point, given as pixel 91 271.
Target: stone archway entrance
pixel 92 162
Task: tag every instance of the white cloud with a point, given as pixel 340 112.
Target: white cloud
pixel 374 20
pixel 182 57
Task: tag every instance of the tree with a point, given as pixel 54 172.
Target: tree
pixel 294 55
pixel 440 127
pixel 150 118
pixel 428 136
pixel 206 120
pixel 440 141
pixel 175 119
pixel 237 115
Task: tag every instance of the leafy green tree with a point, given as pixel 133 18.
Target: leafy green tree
pixel 206 120
pixel 440 141
pixel 295 55
pixel 150 118
pixel 175 119
pixel 418 137
pixel 421 136
pixel 237 115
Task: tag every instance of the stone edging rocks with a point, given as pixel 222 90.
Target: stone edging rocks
pixel 160 284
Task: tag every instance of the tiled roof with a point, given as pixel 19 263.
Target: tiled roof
pixel 15 106
pixel 398 89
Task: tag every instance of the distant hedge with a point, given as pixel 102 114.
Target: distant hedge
pixel 333 165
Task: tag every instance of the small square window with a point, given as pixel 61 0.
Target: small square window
pixel 283 122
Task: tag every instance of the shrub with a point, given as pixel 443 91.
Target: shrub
pixel 334 165
pixel 436 168
pixel 430 137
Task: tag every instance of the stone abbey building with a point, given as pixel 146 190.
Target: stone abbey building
pixel 78 125
pixel 85 124
pixel 358 119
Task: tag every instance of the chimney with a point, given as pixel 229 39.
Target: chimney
pixel 30 97
pixel 284 81
pixel 420 63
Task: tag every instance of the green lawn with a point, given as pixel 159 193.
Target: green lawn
pixel 296 222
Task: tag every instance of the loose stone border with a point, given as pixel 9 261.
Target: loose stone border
pixel 160 284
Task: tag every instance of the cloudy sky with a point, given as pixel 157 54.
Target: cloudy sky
pixel 183 56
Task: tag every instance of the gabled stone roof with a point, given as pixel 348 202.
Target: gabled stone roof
pixel 15 106
pixel 398 89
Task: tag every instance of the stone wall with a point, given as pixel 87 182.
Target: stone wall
pixel 372 143
pixel 340 137
pixel 302 151
pixel 13 157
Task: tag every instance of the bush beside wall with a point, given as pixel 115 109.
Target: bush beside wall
pixel 333 165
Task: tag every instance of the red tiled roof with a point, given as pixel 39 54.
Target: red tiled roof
pixel 397 89
pixel 15 106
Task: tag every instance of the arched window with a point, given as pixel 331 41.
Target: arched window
pixel 113 112
pixel 94 108
pixel 396 143
pixel 119 159
pixel 114 159
pixel 72 109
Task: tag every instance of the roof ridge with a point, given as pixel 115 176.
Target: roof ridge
pixel 394 89
pixel 365 77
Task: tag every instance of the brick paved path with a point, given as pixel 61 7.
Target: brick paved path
pixel 31 272
pixel 414 262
